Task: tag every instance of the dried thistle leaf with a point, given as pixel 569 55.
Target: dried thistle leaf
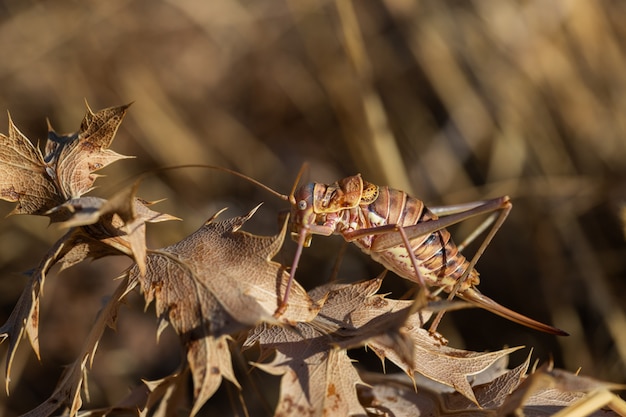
pixel 167 392
pixel 108 227
pixel 355 315
pixel 102 232
pixel 67 391
pixel 220 264
pixel 546 390
pixel 443 364
pixel 23 175
pixel 357 307
pixel 318 377
pixel 78 156
pixel 385 397
pixel 218 281
pixel 209 360
pixel 25 314
pixel 39 184
pixel 493 394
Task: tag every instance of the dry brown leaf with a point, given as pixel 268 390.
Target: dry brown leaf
pixel 25 314
pixel 67 392
pixel 443 364
pixel 493 394
pixel 318 376
pixel 355 315
pixel 491 389
pixel 209 360
pixel 53 186
pixel 37 183
pixel 446 365
pixel 357 306
pixel 547 390
pixel 317 379
pixel 218 281
pixel 386 397
pixel 399 395
pixel 108 227
pixel 391 395
pixel 167 392
pixel 109 235
pixel 74 158
pixel 232 269
pixel 23 176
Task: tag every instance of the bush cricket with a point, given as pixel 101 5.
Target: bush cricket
pixel 401 233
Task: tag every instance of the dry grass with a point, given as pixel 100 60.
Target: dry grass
pixel 455 101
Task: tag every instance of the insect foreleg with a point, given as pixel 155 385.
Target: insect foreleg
pixel 303 237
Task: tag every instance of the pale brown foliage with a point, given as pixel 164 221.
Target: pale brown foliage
pixel 499 391
pixel 219 281
pixel 53 186
pixel 39 183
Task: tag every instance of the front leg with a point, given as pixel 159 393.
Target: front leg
pixel 303 235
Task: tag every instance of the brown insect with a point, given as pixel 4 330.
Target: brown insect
pixel 402 234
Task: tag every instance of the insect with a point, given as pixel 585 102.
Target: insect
pixel 402 234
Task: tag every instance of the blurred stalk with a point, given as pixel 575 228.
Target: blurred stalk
pixel 379 149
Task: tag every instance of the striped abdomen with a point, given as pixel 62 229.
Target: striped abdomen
pixel 438 257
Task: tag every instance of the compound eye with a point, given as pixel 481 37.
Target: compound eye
pixel 302 205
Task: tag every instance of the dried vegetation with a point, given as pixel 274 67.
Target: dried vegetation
pixel 451 101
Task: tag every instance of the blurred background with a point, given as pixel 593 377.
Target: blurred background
pixel 450 101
